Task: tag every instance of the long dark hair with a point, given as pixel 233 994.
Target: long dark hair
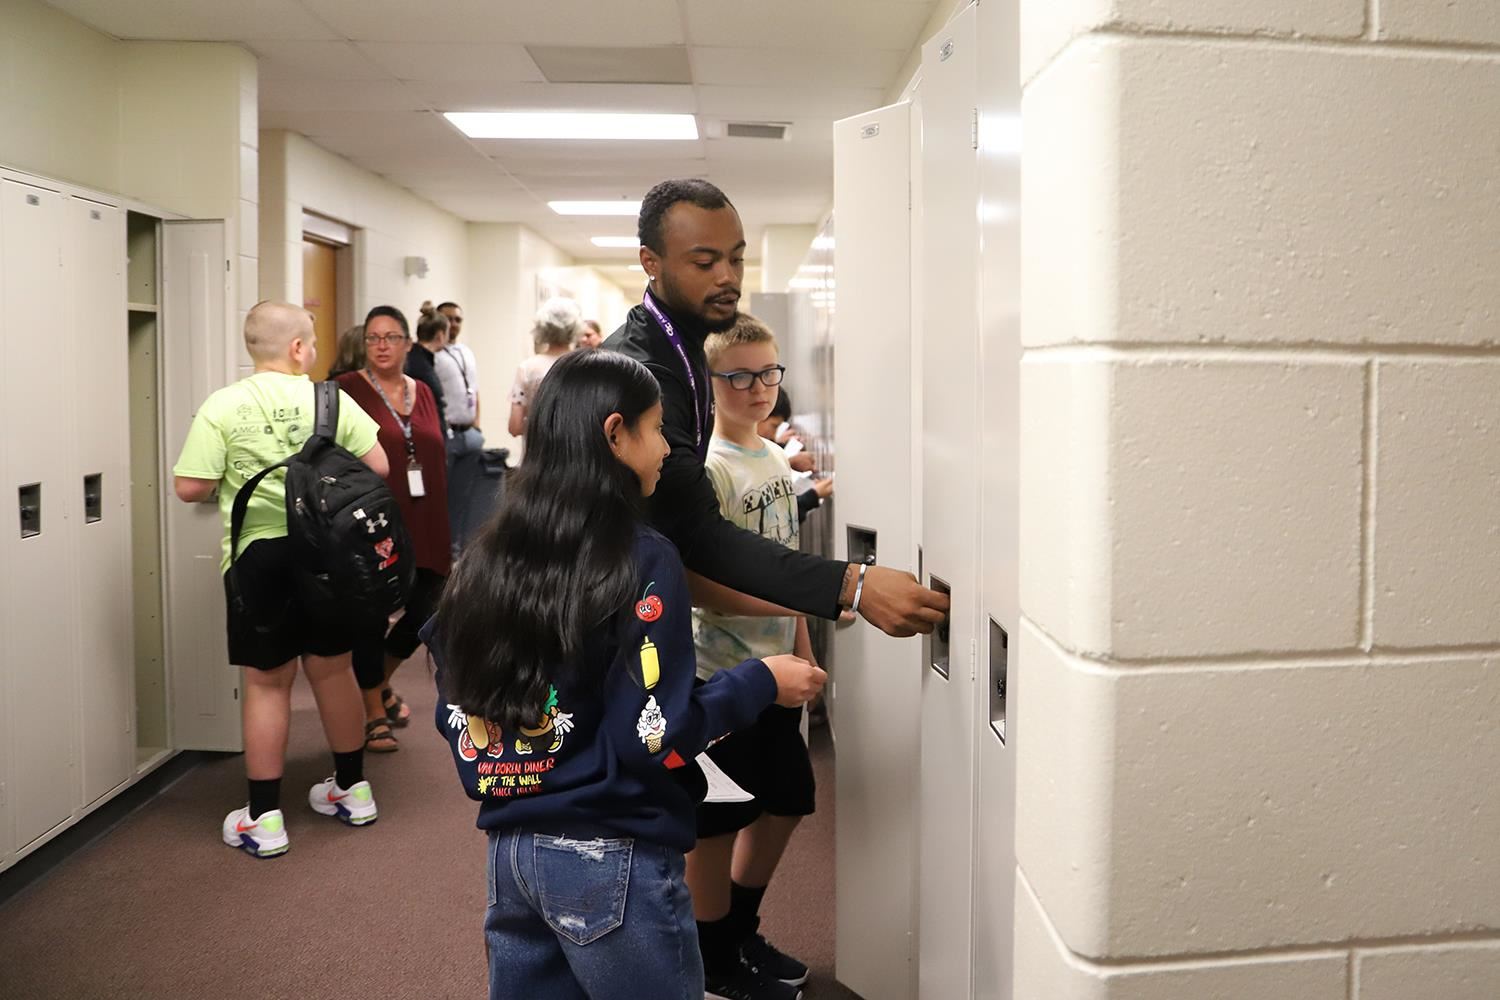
pixel 554 563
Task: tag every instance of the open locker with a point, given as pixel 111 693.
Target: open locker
pixel 88 685
pixel 877 678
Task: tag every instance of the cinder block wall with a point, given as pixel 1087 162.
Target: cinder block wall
pixel 1260 518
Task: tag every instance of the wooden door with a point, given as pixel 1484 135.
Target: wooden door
pixel 320 296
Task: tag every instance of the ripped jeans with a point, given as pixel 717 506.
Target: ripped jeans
pixel 578 914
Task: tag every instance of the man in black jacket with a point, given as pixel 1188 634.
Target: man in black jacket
pixel 693 251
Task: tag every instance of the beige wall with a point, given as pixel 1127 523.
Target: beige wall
pixel 169 124
pixel 782 251
pixel 1261 650
pixel 391 224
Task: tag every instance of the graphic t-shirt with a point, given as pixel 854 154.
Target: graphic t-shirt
pixel 755 493
pixel 255 423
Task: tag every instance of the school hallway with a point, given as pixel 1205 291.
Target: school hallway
pixel 159 908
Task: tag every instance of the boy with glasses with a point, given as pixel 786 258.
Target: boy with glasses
pixel 739 845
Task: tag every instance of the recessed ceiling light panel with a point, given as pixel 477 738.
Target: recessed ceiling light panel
pixel 621 208
pixel 573 125
pixel 616 242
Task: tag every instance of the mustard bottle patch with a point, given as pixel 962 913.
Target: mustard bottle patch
pixel 650 664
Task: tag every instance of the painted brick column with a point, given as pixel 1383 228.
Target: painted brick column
pixel 1260 510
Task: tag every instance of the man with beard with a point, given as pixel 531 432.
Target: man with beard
pixel 693 252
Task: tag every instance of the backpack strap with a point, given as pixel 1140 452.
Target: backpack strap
pixel 242 506
pixel 326 405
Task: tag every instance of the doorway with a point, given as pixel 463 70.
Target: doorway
pixel 320 296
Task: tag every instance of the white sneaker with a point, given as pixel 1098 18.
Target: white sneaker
pixel 263 838
pixel 354 806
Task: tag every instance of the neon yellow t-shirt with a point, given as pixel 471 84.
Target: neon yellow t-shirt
pixel 255 423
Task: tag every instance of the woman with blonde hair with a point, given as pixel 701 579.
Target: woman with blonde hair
pixel 557 325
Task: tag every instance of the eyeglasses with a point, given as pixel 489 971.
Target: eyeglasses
pixel 374 340
pixel 745 379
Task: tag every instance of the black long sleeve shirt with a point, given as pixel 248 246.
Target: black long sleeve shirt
pixel 420 367
pixel 685 508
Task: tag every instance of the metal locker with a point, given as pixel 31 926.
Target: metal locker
pixel 204 691
pixel 950 509
pixel 999 136
pixel 37 629
pixel 877 680
pixel 98 490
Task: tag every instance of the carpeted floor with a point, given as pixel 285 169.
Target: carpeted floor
pixel 161 909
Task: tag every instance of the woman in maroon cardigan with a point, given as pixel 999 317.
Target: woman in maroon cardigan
pixel 412 435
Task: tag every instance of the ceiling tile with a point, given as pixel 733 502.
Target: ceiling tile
pixel 516 22
pixel 808 68
pixel 606 170
pixel 370 131
pixel 195 20
pixel 779 103
pixel 516 153
pixel 337 95
pixel 314 61
pixel 454 62
pixel 612 64
pixel 823 24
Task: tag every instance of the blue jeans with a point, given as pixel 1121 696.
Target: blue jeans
pixel 588 916
pixel 470 495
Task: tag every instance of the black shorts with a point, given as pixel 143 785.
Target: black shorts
pixel 267 626
pixel 770 761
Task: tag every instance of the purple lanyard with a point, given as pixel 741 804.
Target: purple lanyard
pixel 699 417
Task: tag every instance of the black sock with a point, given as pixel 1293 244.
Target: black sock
pixel 719 944
pixel 349 768
pixel 264 796
pixel 744 908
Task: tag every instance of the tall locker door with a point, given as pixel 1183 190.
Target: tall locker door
pixel 1000 367
pixel 100 496
pixel 195 299
pixel 37 630
pixel 877 679
pixel 950 511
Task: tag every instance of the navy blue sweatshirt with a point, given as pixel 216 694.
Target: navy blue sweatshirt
pixel 614 757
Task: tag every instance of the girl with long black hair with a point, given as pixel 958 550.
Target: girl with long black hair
pixel 565 658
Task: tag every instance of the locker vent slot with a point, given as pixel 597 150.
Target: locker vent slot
pixel 93 498
pixel 31 510
pixel 939 640
pixel 999 677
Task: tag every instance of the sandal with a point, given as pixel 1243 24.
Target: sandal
pixel 396 709
pixel 379 738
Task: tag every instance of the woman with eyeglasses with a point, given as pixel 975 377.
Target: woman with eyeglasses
pixel 411 431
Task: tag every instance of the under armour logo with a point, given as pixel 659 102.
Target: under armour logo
pixel 372 524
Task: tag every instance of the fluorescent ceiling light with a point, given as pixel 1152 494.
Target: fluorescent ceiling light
pixel 616 242
pixel 571 125
pixel 823 243
pixel 816 269
pixel 630 208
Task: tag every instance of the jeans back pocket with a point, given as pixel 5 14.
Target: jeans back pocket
pixel 581 885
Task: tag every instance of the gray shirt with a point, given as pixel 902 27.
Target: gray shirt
pixel 459 373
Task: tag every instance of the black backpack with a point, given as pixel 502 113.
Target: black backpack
pixel 354 557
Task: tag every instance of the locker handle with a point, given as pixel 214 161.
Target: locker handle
pixel 30 502
pixel 939 640
pixel 93 498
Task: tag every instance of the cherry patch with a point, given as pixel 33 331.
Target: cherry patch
pixel 650 607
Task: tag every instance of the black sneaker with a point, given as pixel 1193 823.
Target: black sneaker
pixel 744 983
pixel 763 957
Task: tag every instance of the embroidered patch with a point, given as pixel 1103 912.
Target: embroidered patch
pixel 650 665
pixel 650 607
pixel 651 727
pixel 673 761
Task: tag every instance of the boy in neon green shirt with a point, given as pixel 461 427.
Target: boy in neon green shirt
pixel 237 432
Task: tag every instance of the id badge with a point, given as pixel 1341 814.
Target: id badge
pixel 414 484
pixel 473 398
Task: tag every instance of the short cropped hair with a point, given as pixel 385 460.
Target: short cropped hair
pixel 660 199
pixel 746 330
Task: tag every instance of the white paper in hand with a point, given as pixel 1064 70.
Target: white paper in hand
pixel 721 788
